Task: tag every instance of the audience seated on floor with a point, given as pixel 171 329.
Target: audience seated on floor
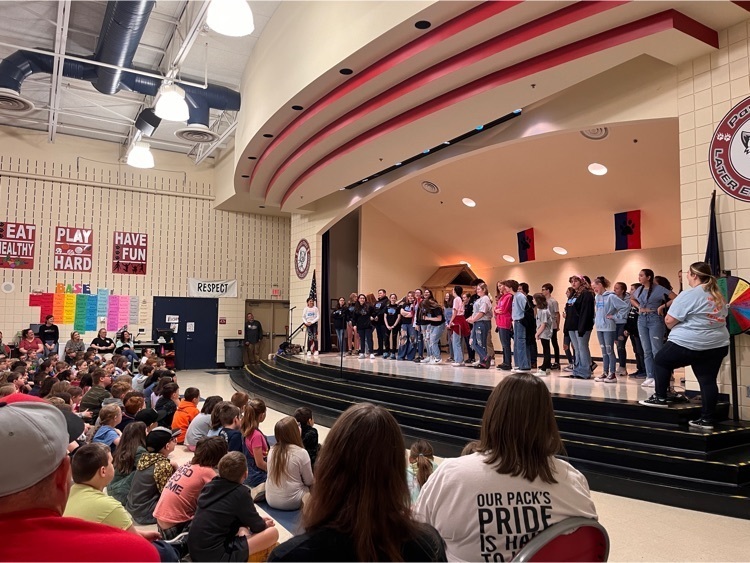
pixel 168 401
pixel 201 424
pixel 93 399
pixel 290 473
pixel 359 507
pixel 125 460
pixel 421 466
pixel 227 526
pixel 486 505
pixel 110 416
pixel 34 492
pixel 179 499
pixel 304 416
pixel 255 443
pixel 229 419
pixel 152 474
pixel 132 403
pixel 187 410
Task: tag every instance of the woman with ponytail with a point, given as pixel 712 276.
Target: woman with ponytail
pixel 698 338
pixel 421 465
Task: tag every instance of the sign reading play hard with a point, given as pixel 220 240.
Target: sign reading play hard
pixel 74 249
pixel 729 152
pixel 17 241
pixel 129 253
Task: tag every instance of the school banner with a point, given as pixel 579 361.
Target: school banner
pixel 129 253
pixel 74 249
pixel 526 252
pixel 17 243
pixel 628 230
pixel 212 288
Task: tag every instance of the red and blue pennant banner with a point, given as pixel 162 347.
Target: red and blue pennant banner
pixel 628 230
pixel 526 251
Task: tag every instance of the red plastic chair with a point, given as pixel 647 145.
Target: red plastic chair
pixel 574 539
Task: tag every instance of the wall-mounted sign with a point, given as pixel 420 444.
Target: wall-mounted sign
pixel 17 242
pixel 129 253
pixel 729 152
pixel 212 288
pixel 302 259
pixel 74 249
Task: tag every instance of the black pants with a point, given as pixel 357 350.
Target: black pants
pixel 382 338
pixel 393 334
pixel 545 351
pixel 705 364
pixel 556 346
pixel 638 348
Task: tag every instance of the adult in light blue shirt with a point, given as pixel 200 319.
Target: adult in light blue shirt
pixel 698 338
pixel 523 362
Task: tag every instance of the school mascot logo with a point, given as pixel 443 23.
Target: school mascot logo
pixel 729 152
pixel 302 259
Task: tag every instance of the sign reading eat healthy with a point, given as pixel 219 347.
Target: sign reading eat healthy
pixel 74 249
pixel 129 253
pixel 17 241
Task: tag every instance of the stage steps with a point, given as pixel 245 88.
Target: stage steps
pixel 622 447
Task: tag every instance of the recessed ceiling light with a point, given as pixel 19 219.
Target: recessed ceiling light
pixel 399 163
pixel 252 158
pixel 464 262
pixel 342 189
pixel 346 71
pixel 365 180
pixel 597 169
pixel 267 135
pixel 297 108
pixel 446 142
pixel 468 202
pixel 426 151
pixel 508 258
pixel 479 127
pixel 559 250
pixel 422 24
pixel 245 175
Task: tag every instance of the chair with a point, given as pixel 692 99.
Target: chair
pixel 573 539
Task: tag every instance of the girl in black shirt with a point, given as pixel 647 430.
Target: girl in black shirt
pixel 363 321
pixel 339 317
pixel 392 322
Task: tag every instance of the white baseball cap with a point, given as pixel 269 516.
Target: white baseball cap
pixel 34 435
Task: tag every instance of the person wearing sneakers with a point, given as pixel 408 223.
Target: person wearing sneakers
pixel 650 302
pixel 567 327
pixel 504 322
pixel 392 325
pixel 698 338
pixel 520 349
pixel 363 322
pixel 631 332
pixel 378 313
pixel 605 309
pixel 458 326
pixel 310 318
pixel 581 315
pixel 434 316
pixel 481 326
pixel 554 311
pixel 621 317
pixel 543 332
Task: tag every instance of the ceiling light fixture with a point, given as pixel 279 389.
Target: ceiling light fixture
pixel 171 104
pixel 139 155
pixel 468 202
pixel 508 258
pixel 233 18
pixel 559 250
pixel 597 169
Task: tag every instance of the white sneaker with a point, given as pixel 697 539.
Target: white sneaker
pixel 425 360
pixel 372 356
pixel 519 370
pixel 361 356
pixel 308 353
pixel 541 373
pixel 601 378
pixel 650 382
pixel 474 364
pixel 457 364
pixel 435 361
pixel 315 353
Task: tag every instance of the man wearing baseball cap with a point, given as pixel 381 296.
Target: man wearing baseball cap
pixel 34 491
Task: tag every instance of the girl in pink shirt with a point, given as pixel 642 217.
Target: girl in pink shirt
pixel 503 309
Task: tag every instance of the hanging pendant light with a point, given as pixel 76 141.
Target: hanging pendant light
pixel 171 104
pixel 140 155
pixel 230 17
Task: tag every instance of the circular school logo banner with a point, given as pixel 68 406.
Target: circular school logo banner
pixel 302 259
pixel 729 152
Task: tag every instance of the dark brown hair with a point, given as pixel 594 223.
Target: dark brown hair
pixel 512 284
pixel 286 431
pixel 215 420
pixel 133 401
pixel 519 433
pixel 210 403
pixel 233 467
pixel 209 451
pixel 88 460
pixel 133 437
pixel 360 484
pixel 240 399
pixel 422 455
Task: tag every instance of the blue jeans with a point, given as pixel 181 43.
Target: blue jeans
pixel 435 333
pixel 47 352
pixel 607 344
pixel 505 335
pixel 407 349
pixel 479 333
pixel 620 341
pixel 520 348
pixel 458 353
pixel 340 339
pixel 651 330
pixel 582 366
pixel 132 356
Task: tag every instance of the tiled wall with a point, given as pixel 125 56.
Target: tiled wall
pixel 187 237
pixel 708 88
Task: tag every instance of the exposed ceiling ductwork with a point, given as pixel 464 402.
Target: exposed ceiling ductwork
pixel 122 28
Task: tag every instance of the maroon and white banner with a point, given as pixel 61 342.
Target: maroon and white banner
pixel 74 249
pixel 129 253
pixel 17 244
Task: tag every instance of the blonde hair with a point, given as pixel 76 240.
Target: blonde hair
pixel 702 271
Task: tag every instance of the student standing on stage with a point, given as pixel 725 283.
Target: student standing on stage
pixel 392 321
pixel 554 311
pixel 543 332
pixel 520 350
pixel 378 309
pixel 620 318
pixel 311 316
pixel 581 315
pixel 338 316
pixel 352 338
pixel 458 326
pixel 407 341
pixel 363 322
pixel 606 329
pixel 504 322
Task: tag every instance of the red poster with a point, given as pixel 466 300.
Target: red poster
pixel 17 242
pixel 74 249
pixel 129 253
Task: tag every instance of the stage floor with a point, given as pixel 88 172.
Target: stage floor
pixel 626 388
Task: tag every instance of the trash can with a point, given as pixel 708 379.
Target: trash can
pixel 233 353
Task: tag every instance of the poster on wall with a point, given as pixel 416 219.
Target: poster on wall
pixel 129 253
pixel 17 242
pixel 212 288
pixel 74 249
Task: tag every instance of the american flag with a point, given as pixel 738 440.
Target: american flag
pixel 313 289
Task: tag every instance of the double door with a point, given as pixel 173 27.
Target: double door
pixel 274 318
pixel 193 321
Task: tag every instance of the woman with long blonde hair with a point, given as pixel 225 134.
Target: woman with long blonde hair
pixel 698 338
pixel 290 473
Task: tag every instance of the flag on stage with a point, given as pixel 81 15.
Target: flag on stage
pixel 713 256
pixel 526 245
pixel 313 289
pixel 628 230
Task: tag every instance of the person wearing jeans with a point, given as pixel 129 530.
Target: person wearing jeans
pixel 458 326
pixel 518 306
pixel 605 309
pixel 698 338
pixel 504 322
pixel 554 311
pixel 581 315
pixel 650 299
pixel 406 349
pixel 481 325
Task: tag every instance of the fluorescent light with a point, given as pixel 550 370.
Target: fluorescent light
pixel 465 263
pixel 508 258
pixel 140 155
pixel 468 202
pixel 171 104
pixel 597 169
pixel 230 17
pixel 559 250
